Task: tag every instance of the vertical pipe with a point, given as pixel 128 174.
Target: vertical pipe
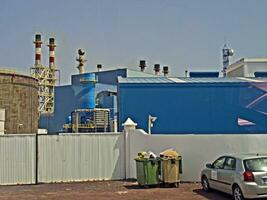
pixel 88 85
pixel 77 122
pixel 157 69
pixel 81 61
pixel 38 49
pixel 142 65
pixel 166 70
pixel 99 67
pixel 36 158
pixel 52 53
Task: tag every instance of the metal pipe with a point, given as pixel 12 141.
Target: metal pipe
pixel 165 70
pixel 36 159
pixel 38 49
pixel 157 68
pixel 99 67
pixel 77 122
pixel 142 65
pixel 81 61
pixel 52 53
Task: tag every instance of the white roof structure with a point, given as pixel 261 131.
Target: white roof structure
pixel 246 67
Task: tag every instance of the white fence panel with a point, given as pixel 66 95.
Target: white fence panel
pixel 17 159
pixel 81 157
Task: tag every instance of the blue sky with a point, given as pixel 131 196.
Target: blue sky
pixel 183 34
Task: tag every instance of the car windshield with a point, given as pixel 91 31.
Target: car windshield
pixel 256 164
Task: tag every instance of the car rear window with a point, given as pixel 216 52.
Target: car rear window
pixel 256 164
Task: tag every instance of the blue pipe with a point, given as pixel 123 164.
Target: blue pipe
pixel 88 87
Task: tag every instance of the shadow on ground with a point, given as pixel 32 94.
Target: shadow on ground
pixel 138 187
pixel 213 194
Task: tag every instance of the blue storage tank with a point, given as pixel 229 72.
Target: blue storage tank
pixel 195 105
pixel 88 89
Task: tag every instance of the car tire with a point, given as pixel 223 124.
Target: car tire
pixel 237 193
pixel 205 184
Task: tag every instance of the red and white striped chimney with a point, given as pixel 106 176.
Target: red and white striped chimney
pixel 52 54
pixel 38 49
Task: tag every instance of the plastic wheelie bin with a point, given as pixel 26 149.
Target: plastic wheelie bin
pixel 171 167
pixel 147 171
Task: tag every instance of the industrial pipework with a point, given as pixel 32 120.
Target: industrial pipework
pixel 99 67
pixel 166 70
pixel 38 49
pixel 157 68
pixel 52 53
pixel 46 76
pixel 88 87
pixel 142 65
pixel 81 61
pixel 226 53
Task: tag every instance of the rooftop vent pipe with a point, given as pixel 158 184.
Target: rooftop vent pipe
pixel 157 68
pixel 142 65
pixel 99 67
pixel 165 70
pixel 81 61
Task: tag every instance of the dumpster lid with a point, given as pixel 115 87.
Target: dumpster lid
pixel 169 153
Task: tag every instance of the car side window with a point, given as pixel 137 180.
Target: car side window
pixel 230 163
pixel 218 164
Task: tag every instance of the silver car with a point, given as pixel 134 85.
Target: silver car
pixel 242 175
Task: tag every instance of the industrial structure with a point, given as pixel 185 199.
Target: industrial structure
pixel 87 118
pixel 18 103
pixel 46 76
pixel 105 96
pixel 226 53
pixel 195 105
pixel 248 67
pixel 92 100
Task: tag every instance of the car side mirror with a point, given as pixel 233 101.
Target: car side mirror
pixel 209 165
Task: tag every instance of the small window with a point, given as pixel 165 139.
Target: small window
pixel 218 164
pixel 230 164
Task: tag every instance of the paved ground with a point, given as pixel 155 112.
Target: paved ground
pixel 106 190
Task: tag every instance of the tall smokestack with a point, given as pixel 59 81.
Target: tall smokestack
pixel 99 67
pixel 142 65
pixel 157 68
pixel 38 49
pixel 165 70
pixel 51 46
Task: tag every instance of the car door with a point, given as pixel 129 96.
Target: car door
pixel 226 174
pixel 217 165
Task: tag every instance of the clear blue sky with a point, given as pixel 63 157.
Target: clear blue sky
pixel 183 34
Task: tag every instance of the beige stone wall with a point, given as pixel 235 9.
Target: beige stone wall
pixel 19 98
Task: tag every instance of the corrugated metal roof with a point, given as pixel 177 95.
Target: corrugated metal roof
pixel 190 80
pixel 144 80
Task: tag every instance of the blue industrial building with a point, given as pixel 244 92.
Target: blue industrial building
pixel 71 97
pixel 195 105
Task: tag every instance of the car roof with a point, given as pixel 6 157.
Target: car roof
pixel 244 156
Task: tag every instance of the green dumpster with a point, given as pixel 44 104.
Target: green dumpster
pixel 147 171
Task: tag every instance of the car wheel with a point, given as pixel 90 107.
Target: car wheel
pixel 237 193
pixel 205 184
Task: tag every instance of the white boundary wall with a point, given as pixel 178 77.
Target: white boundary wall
pixel 81 157
pixel 102 156
pixel 196 150
pixel 17 159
